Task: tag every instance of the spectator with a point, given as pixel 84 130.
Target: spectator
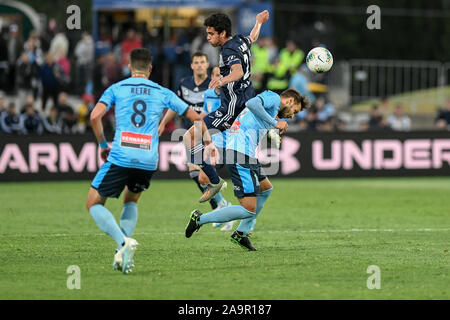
pixel 2 107
pixel 26 77
pixel 291 57
pixel 59 45
pixel 312 121
pixel 299 81
pixel 260 63
pixel 50 83
pixel 99 80
pixel 84 53
pixel 130 43
pixel 29 101
pixel 4 66
pixel 399 121
pixel 375 118
pixel 69 122
pixel 30 121
pixel 15 48
pixel 33 48
pixel 53 123
pixel 443 117
pixel 324 109
pixel 67 114
pixel 63 106
pixel 63 72
pixel 83 112
pixel 112 70
pixel 9 120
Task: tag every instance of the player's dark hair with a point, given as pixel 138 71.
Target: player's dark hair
pixel 140 59
pixel 220 22
pixel 298 98
pixel 199 54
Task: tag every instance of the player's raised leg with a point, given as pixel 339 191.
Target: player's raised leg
pixel 196 156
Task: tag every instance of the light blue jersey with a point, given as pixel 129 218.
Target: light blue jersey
pixel 247 130
pixel 139 104
pixel 212 103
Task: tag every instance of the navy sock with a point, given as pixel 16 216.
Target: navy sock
pixel 197 158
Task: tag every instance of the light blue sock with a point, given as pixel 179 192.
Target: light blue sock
pixel 128 218
pixel 218 197
pixel 105 221
pixel 225 214
pixel 247 225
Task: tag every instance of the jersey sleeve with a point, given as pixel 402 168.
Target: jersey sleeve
pixel 247 41
pixel 108 98
pixel 259 106
pixel 231 57
pixel 175 103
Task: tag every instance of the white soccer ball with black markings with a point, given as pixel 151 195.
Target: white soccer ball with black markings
pixel 319 60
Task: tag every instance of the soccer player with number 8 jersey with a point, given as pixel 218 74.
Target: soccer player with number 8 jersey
pixel 133 158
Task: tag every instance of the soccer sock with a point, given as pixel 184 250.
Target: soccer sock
pixel 247 224
pixel 197 158
pixel 194 175
pixel 105 221
pixel 218 197
pixel 225 214
pixel 128 218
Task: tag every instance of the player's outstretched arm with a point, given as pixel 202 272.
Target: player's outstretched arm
pixel 97 126
pixel 170 114
pixel 261 18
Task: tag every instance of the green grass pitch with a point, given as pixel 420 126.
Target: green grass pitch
pixel 315 239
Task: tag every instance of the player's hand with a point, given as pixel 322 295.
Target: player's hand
pixel 262 16
pixel 212 153
pixel 161 129
pixel 282 126
pixel 104 153
pixel 215 83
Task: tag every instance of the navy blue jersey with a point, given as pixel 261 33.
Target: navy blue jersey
pixel 233 95
pixel 236 51
pixel 192 94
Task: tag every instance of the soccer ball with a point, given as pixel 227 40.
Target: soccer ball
pixel 319 60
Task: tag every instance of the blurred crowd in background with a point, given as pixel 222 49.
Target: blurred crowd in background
pixel 39 75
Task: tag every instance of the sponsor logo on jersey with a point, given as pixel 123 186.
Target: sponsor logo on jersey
pixel 218 114
pixel 236 126
pixel 136 140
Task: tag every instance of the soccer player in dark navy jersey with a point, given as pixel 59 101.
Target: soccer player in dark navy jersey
pixel 192 91
pixel 235 89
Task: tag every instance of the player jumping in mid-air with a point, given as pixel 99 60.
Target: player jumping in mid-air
pixel 211 104
pixel 251 186
pixel 192 91
pixel 133 158
pixel 235 89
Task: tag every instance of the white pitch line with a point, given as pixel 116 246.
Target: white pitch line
pixel 215 232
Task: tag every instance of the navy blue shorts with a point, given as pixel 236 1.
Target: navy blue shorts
pixel 111 179
pixel 231 105
pixel 245 175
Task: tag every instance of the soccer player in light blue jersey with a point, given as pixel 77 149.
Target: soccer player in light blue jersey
pixel 251 186
pixel 133 158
